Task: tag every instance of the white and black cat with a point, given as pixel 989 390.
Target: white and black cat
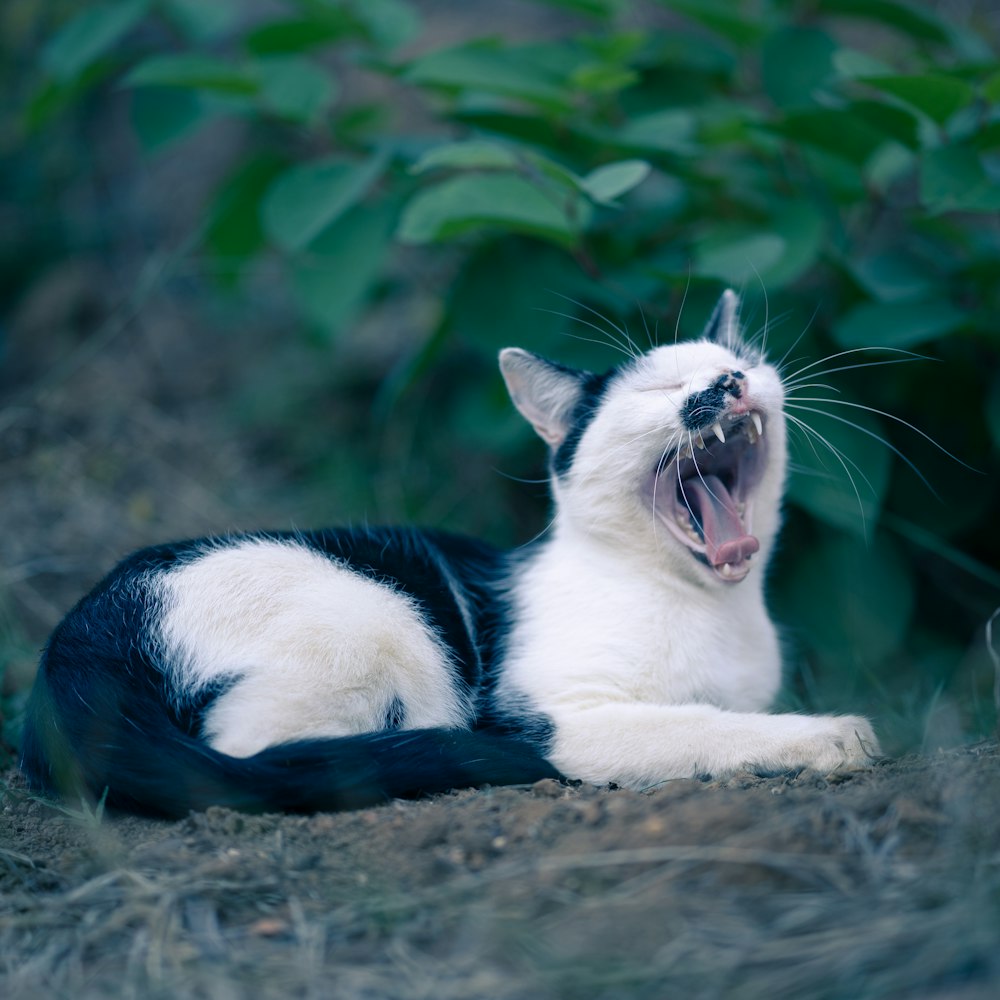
pixel 332 669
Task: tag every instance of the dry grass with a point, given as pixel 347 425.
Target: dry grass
pixel 887 884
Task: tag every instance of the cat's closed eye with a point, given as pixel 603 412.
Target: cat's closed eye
pixel 671 387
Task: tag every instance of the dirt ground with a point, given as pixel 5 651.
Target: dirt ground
pixel 880 883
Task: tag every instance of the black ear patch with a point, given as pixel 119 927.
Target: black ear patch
pixel 592 391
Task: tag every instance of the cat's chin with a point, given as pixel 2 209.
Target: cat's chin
pixel 704 493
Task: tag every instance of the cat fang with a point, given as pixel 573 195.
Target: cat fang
pixel 332 669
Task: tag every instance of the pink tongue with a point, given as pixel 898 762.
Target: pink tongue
pixel 715 510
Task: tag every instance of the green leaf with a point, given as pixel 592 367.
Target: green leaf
pixel 795 63
pixel 598 8
pixel 802 228
pixel 161 116
pixel 937 96
pixel 905 17
pixel 234 233
pixel 668 131
pixel 485 67
pixel 471 154
pixel 53 98
pixel 606 183
pixel 737 256
pixel 952 178
pixel 334 278
pixel 90 35
pixel 851 64
pixel 897 324
pixel 894 276
pixel 893 123
pixel 295 88
pixel 603 78
pixel 987 138
pixel 836 131
pixel 722 17
pixel 390 23
pixel 991 89
pixel 889 164
pixel 841 473
pixel 301 34
pixel 193 71
pixel 505 201
pixel 306 199
pixel 203 21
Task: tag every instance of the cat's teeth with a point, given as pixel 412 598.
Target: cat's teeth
pixel 717 431
pixel 685 525
pixel 757 422
pixel 699 441
pixel 726 569
pixel 685 452
pixel 752 435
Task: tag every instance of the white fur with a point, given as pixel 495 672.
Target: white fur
pixel 316 649
pixel 648 664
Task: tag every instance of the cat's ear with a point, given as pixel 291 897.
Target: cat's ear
pixel 546 394
pixel 723 327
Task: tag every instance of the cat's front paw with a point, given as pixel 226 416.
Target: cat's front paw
pixel 829 743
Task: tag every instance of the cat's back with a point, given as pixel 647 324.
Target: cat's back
pixel 252 640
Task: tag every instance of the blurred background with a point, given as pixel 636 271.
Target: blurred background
pixel 257 258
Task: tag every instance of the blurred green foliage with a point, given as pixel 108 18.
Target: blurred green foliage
pixel 838 161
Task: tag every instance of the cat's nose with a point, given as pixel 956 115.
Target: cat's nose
pixel 733 383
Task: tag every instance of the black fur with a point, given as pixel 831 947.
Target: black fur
pixel 592 391
pixel 703 408
pixel 101 720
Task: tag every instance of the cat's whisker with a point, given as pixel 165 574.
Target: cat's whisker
pixel 645 325
pixel 622 332
pixel 756 342
pixel 763 289
pixel 780 366
pixel 810 430
pixel 871 434
pixel 807 470
pixel 520 479
pixel 910 355
pixel 608 341
pixel 888 416
pixel 811 433
pixel 811 385
pixel 794 382
pixel 797 425
pixel 677 323
pixel 843 460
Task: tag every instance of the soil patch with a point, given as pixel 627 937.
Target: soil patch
pixel 875 883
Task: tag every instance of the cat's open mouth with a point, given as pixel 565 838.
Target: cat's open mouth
pixel 704 492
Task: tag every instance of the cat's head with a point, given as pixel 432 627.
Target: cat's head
pixel 678 454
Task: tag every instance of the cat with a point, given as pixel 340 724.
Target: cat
pixel 305 671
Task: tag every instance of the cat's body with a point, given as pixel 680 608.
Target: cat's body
pixel 329 669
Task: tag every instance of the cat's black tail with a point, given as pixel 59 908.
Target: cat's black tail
pixel 137 759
